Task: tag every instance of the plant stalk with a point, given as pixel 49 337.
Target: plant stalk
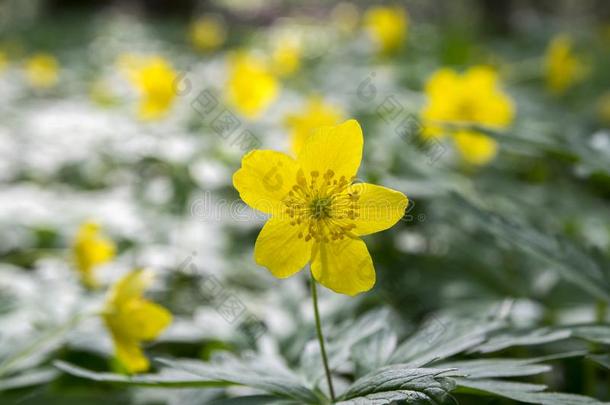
pixel 314 295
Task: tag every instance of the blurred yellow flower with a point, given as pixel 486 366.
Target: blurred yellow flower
pixel 475 148
pixel 91 249
pixel 286 57
pixel 473 97
pixel 251 86
pixel 562 67
pixel 208 32
pixel 133 319
pixel 42 71
pixel 155 79
pixel 387 26
pixel 318 212
pixel 317 114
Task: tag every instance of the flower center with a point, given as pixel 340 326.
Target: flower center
pixel 322 207
pixel 466 111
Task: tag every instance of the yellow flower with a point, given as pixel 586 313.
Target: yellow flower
pixel 286 57
pixel 473 97
pixel 208 33
pixel 133 319
pixel 91 249
pixel 475 148
pixel 42 71
pixel 252 87
pixel 317 114
pixel 563 68
pixel 387 26
pixel 154 78
pixel 318 213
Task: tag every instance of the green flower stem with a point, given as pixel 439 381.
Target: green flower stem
pixel 314 295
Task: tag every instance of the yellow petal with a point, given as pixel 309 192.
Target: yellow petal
pixel 344 266
pixel 139 319
pixel 130 287
pixel 265 177
pixel 42 70
pixel 475 148
pixel 208 32
pixel 154 78
pixel 91 249
pixel 251 87
pixel 279 249
pixel 337 148
pixel 130 355
pixel 481 78
pixel 379 208
pixel 387 26
pixel 317 114
pixel 152 108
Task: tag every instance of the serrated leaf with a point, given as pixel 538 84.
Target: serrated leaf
pixel 256 373
pixel 493 368
pixel 442 337
pixel 496 385
pixel 528 393
pixel 374 352
pixel 570 261
pixel 391 398
pixel 165 378
pixel 254 400
pixel 490 368
pixel 191 373
pixel 340 343
pixel 522 338
pixel 421 385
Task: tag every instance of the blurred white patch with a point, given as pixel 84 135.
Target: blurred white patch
pixel 410 242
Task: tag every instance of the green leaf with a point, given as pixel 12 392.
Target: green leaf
pixel 508 339
pixel 165 378
pixel 488 368
pixel 340 343
pixel 256 373
pixel 601 359
pixel 254 400
pixel 492 368
pixel 528 393
pixel 31 377
pixel 593 333
pixel 392 398
pixel 413 385
pixel 571 262
pixel 374 352
pixel 33 352
pixel 477 386
pixel 442 337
